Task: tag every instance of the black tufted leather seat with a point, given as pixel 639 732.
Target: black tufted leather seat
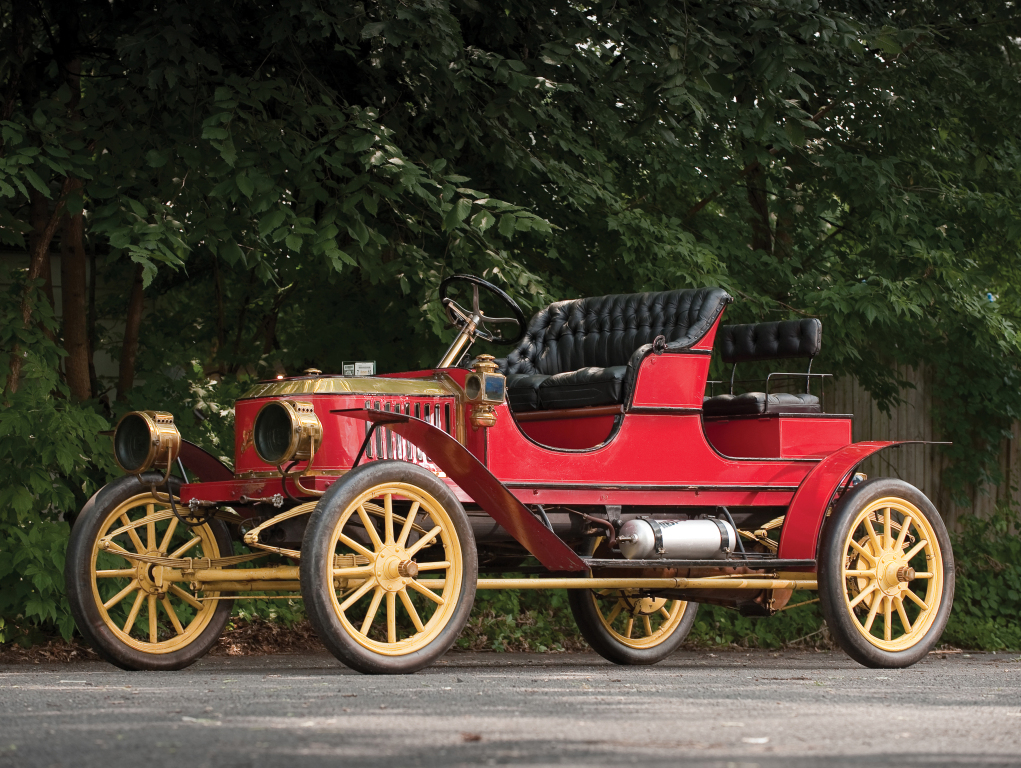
pixel 586 351
pixel 766 341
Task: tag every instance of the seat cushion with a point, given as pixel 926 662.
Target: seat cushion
pixel 584 387
pixel 752 403
pixel 523 391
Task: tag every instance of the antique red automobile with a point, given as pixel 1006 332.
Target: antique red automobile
pixel 595 457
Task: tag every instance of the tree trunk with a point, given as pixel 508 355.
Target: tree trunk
pixel 91 329
pixel 38 216
pixel 75 320
pixel 129 349
pixel 39 253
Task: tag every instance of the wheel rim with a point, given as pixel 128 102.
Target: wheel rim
pixel 892 572
pixel 635 621
pixel 142 608
pixel 376 538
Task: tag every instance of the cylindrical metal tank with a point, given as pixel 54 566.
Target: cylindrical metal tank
pixel 648 539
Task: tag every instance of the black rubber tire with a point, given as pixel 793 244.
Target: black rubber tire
pixel 316 561
pixel 831 587
pixel 77 570
pixel 586 616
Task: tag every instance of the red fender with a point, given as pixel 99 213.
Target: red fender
pixel 479 483
pixel 204 464
pixel 799 537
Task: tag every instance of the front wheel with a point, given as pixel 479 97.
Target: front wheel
pixel 886 574
pixel 388 568
pixel 131 610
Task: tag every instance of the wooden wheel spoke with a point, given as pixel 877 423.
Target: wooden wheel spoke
pixel 409 523
pixel 887 529
pixel 186 597
pixel 391 617
pixel 133 614
pixel 179 552
pixel 133 535
pixel 437 566
pixel 615 612
pixel 887 618
pixel 862 595
pixel 358 594
pixel 360 549
pixel 153 634
pixel 353 572
pixel 410 608
pixel 915 550
pixel 923 575
pixel 873 538
pixel 876 604
pixel 630 627
pixel 172 615
pixel 860 574
pixel 665 614
pixel 370 528
pixel 370 614
pixel 916 599
pixel 423 542
pixel 388 518
pixel 418 587
pixel 899 603
pixel 168 536
pixel 150 527
pixel 120 573
pixel 122 594
pixel 863 552
pixel 647 625
pixel 905 527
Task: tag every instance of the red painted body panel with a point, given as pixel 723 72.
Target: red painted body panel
pixel 672 381
pixel 800 534
pixel 488 492
pixel 570 433
pixel 779 436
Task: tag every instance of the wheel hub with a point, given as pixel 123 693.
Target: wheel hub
pixel 150 576
pixel 393 569
pixel 894 574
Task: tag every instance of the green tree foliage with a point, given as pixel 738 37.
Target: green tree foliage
pixel 290 181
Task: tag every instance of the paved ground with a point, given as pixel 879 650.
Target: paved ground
pixel 697 709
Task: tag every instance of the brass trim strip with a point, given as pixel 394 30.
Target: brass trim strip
pixel 351 385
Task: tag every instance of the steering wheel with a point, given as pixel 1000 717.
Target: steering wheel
pixel 475 318
pixel 472 322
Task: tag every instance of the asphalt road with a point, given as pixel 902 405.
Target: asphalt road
pixel 732 710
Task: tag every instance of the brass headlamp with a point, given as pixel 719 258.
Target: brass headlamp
pixel 286 430
pixel 146 439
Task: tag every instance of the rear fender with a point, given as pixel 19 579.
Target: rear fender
pixel 799 538
pixel 479 483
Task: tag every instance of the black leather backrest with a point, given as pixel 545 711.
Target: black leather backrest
pixel 603 331
pixel 770 341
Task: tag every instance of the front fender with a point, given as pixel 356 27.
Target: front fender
pixel 799 538
pixel 479 483
pixel 204 464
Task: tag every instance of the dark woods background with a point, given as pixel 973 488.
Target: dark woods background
pixel 237 190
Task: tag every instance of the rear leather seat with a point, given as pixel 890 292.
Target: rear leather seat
pixel 586 352
pixel 766 341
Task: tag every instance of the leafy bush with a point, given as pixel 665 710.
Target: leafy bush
pixel 987 606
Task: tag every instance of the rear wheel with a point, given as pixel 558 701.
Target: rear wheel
pixel 389 568
pixel 886 574
pixel 128 609
pixel 625 627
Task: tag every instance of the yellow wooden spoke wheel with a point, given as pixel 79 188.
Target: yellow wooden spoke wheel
pixel 136 612
pixel 886 575
pixel 626 626
pixel 389 568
